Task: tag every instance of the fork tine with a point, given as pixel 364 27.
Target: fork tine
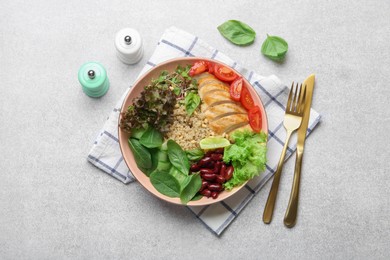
pixel 295 99
pixel 290 97
pixel 302 96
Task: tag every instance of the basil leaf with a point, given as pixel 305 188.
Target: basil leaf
pixel 163 163
pixel 237 32
pixel 137 133
pixel 177 91
pixel 195 154
pixel 142 156
pixel 178 157
pixel 151 138
pixel 274 47
pixel 197 197
pixel 154 154
pixel 191 189
pixel 165 183
pixel 180 177
pixel 192 101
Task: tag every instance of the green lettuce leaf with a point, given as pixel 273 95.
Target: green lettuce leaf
pixel 248 155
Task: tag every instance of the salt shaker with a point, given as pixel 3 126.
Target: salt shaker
pixel 93 79
pixel 128 44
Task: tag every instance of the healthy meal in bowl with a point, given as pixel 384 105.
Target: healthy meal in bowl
pixel 196 131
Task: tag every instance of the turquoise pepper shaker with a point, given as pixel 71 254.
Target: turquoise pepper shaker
pixel 93 79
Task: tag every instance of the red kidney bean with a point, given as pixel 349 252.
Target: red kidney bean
pixel 204 161
pixel 216 156
pixel 210 165
pixel 228 173
pixel 215 187
pixel 220 179
pixel 206 192
pixel 194 168
pixel 222 170
pixel 205 170
pixel 214 194
pixel 217 167
pixel 204 185
pixel 208 176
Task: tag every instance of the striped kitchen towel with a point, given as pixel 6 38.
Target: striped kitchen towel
pixel 106 155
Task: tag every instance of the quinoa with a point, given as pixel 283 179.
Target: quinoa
pixel 187 130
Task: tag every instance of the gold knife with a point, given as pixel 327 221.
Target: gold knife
pixel 292 208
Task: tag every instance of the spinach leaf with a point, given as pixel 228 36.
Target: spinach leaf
pixel 195 154
pixel 142 156
pixel 180 177
pixel 137 133
pixel 164 146
pixel 237 32
pixel 165 183
pixel 151 138
pixel 178 157
pixel 197 197
pixel 163 163
pixel 192 101
pixel 154 154
pixel 274 47
pixel 191 189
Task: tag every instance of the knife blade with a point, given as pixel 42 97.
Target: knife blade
pixel 292 208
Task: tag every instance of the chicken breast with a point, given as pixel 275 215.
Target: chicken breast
pixel 223 114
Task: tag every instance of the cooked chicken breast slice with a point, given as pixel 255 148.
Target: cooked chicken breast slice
pixel 217 96
pixel 209 89
pixel 221 110
pixel 203 76
pixel 221 125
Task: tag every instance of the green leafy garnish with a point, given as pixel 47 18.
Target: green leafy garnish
pixel 151 138
pixel 142 155
pixel 195 154
pixel 137 133
pixel 247 155
pixel 192 101
pixel 168 170
pixel 237 32
pixel 191 188
pixel 183 179
pixel 154 107
pixel 274 47
pixel 178 157
pixel 165 183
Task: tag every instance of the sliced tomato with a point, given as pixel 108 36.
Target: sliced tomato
pixel 235 89
pixel 210 67
pixel 254 115
pixel 197 68
pixel 224 73
pixel 246 98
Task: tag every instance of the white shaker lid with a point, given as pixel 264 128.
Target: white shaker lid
pixel 128 44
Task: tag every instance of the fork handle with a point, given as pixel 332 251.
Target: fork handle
pixel 269 206
pixel 292 208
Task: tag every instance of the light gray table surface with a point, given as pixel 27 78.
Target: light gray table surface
pixel 55 205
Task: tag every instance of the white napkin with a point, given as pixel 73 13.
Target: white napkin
pixel 106 155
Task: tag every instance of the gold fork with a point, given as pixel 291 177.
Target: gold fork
pixel 292 121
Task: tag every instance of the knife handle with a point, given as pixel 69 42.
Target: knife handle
pixel 290 217
pixel 269 206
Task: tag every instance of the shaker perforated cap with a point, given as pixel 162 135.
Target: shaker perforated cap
pixel 128 44
pixel 93 79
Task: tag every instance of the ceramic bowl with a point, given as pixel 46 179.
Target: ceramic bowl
pixel 135 91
